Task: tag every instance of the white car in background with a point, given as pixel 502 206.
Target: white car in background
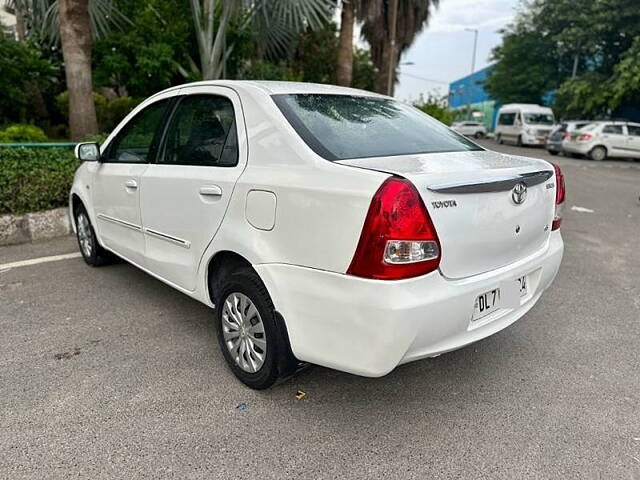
pixel 325 225
pixel 602 140
pixel 470 129
pixel 524 124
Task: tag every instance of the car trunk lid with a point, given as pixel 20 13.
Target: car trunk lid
pixel 472 202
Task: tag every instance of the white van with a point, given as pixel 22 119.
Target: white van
pixel 524 124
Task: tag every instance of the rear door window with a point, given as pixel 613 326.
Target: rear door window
pixel 634 130
pixel 202 132
pixel 613 129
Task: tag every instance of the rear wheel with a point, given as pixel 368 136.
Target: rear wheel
pixel 499 139
pixel 90 249
pixel 479 135
pixel 598 154
pixel 250 337
pixel 552 152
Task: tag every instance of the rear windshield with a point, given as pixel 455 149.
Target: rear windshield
pixel 338 127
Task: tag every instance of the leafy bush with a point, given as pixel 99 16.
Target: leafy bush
pixel 436 107
pixel 22 133
pixel 35 179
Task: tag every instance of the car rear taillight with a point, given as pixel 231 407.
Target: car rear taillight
pixel 560 194
pixel 398 239
pixel 585 137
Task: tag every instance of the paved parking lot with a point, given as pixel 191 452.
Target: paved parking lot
pixel 109 373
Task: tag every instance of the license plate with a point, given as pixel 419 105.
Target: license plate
pixel 506 297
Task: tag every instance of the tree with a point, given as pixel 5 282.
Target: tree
pixel 436 107
pixel 377 17
pixel 344 60
pixel 75 36
pixel 579 54
pixel 144 58
pixel 526 67
pixel 275 22
pixel 22 66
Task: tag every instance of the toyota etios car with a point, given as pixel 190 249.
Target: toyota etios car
pixel 326 225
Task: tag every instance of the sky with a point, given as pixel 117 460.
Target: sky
pixel 443 50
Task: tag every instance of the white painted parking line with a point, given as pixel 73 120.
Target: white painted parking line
pixel 36 261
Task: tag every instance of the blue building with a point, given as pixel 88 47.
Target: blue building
pixel 469 92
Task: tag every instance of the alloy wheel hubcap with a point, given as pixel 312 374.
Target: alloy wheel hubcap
pixel 243 332
pixel 84 234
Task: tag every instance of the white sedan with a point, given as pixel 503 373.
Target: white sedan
pixel 326 225
pixel 470 129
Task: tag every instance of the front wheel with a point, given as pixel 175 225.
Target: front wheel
pixel 598 154
pixel 552 152
pixel 90 249
pixel 499 139
pixel 479 135
pixel 250 337
pixel 519 141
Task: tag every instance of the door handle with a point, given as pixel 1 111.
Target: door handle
pixel 211 191
pixel 131 184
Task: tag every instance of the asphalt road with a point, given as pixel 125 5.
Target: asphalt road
pixel 107 372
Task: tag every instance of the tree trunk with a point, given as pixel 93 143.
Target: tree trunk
pixel 75 36
pixel 21 32
pixel 344 63
pixel 382 76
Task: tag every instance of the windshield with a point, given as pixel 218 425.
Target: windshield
pixel 338 127
pixel 538 118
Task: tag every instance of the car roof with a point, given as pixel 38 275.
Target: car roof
pixel 278 87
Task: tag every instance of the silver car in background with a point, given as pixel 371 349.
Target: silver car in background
pixel 603 140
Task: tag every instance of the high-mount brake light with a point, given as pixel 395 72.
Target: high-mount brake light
pixel 398 239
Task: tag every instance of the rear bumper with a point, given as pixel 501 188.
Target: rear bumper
pixel 576 147
pixel 554 146
pixel 528 139
pixel 368 327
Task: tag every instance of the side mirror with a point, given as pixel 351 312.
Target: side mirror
pixel 87 152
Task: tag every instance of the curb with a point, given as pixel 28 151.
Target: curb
pixel 15 229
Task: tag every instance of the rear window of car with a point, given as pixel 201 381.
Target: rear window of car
pixel 589 127
pixel 340 127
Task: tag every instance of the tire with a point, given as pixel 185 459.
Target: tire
pixel 262 348
pixel 598 153
pixel 479 135
pixel 499 139
pixel 519 141
pixel 90 249
pixel 552 152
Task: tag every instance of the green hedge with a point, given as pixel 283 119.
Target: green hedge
pixel 32 180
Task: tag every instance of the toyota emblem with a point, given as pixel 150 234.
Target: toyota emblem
pixel 519 193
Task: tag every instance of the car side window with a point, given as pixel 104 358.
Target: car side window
pixel 615 129
pixel 134 142
pixel 634 130
pixel 202 132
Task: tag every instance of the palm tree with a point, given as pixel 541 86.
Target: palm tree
pixel 377 15
pixel 75 36
pixel 344 58
pixel 274 21
pixel 74 24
